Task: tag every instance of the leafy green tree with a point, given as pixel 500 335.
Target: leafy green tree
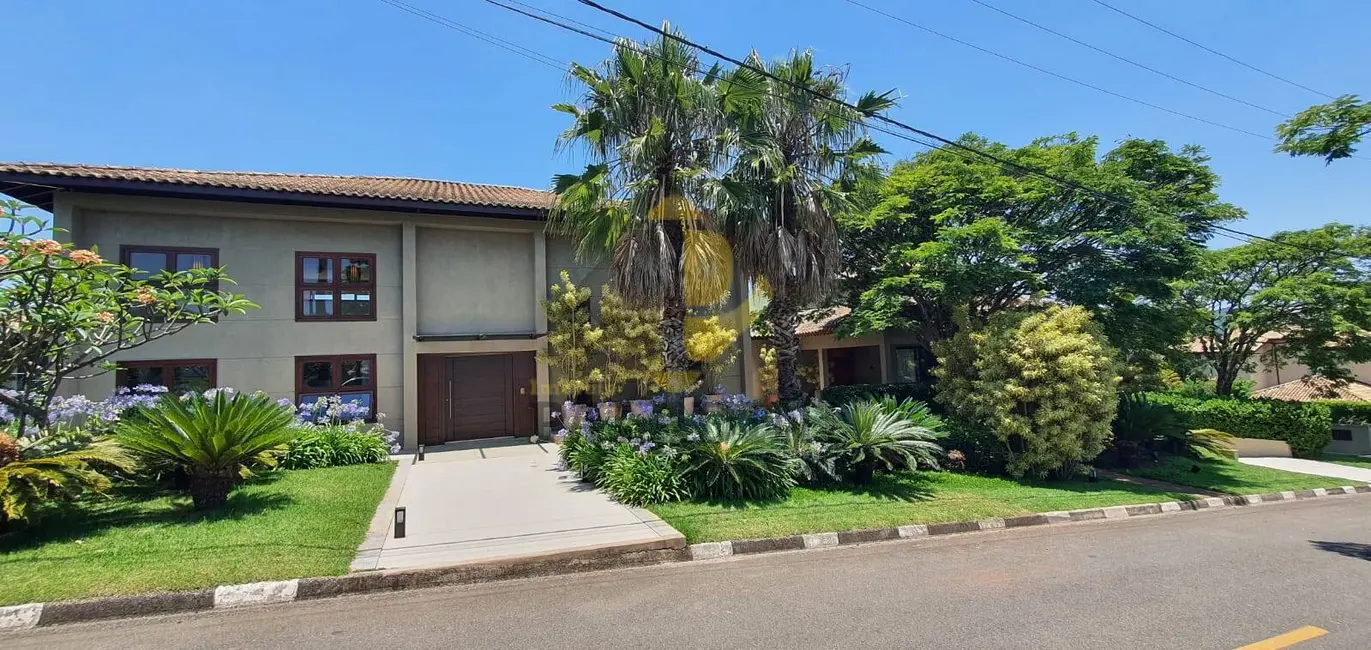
pixel 630 344
pixel 1330 131
pixel 953 232
pixel 1309 287
pixel 64 312
pixel 652 125
pixel 571 339
pixel 215 438
pixel 796 140
pixel 1044 383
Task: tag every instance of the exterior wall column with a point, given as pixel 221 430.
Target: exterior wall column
pixel 823 369
pixel 409 322
pixel 542 378
pixel 885 360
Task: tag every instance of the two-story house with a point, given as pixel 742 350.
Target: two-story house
pixel 420 299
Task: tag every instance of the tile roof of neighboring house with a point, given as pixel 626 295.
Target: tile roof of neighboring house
pixel 814 322
pixel 13 175
pixel 1316 388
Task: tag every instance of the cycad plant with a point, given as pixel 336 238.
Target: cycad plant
pixel 213 438
pixel 737 461
pixel 51 468
pixel 651 122
pixel 866 436
pixel 800 146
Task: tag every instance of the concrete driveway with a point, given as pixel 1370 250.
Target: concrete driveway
pixel 1315 467
pixel 498 499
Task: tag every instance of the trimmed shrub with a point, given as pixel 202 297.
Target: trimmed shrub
pixel 1306 426
pixel 639 478
pixel 840 395
pixel 1347 411
pixel 333 445
pixel 1045 383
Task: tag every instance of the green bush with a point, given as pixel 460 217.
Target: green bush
pixel 732 461
pixel 639 478
pixel 333 445
pixel 1045 383
pixel 1208 389
pixel 1144 426
pixel 840 395
pixel 983 452
pixel 1347 411
pixel 863 437
pixel 1306 426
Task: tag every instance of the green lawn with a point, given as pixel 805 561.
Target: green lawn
pixel 1232 477
pixel 285 525
pixel 1351 461
pixel 896 500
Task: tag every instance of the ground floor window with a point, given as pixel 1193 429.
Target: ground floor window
pixel 352 377
pixel 177 375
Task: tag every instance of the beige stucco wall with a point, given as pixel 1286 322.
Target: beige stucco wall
pixel 257 350
pixel 474 282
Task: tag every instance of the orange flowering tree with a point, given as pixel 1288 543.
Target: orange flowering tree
pixel 65 311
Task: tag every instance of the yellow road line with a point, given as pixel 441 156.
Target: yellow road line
pixel 1288 639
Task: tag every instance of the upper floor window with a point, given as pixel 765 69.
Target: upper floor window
pixel 177 375
pixel 335 286
pixel 148 261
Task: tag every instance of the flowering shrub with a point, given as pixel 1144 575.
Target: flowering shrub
pixel 330 445
pixel 333 409
pixel 95 417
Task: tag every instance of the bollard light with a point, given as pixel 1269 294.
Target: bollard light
pixel 421 452
pixel 400 522
pixel 1094 476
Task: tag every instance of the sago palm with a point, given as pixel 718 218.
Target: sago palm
pixel 862 437
pixel 213 438
pixel 651 123
pixel 53 468
pixel 799 146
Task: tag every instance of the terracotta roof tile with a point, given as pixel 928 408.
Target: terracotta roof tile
pixel 373 187
pixel 1314 388
pixel 814 322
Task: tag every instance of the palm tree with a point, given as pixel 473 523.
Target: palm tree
pixel 652 125
pixel 800 146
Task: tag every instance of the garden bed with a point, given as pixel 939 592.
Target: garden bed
pixel 287 524
pixel 896 500
pixel 1232 477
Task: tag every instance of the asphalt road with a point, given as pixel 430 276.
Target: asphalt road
pixel 1192 581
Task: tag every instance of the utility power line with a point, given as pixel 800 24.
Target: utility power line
pixel 957 147
pixel 1127 60
pixel 1210 50
pixel 1057 75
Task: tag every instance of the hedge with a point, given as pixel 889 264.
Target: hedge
pixel 920 392
pixel 1348 412
pixel 1306 426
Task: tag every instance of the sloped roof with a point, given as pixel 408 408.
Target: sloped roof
pixel 814 322
pixel 1316 387
pixel 14 174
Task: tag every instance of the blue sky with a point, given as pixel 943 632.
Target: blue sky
pixel 359 87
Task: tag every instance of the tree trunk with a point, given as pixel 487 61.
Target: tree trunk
pixel 1224 376
pixel 864 473
pixel 210 488
pixel 672 328
pixel 782 315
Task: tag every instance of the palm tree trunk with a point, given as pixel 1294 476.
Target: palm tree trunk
pixel 672 328
pixel 782 316
pixel 210 489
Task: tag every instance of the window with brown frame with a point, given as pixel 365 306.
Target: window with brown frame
pixel 351 376
pixel 177 375
pixel 335 286
pixel 148 261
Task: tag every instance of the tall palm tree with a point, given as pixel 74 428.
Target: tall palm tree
pixel 652 125
pixel 800 147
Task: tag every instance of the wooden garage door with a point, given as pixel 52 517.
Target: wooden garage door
pixel 480 396
pixel 466 397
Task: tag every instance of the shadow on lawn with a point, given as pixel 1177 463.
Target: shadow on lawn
pixel 136 508
pixel 1350 549
pixel 904 486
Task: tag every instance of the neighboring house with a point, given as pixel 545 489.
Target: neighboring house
pixel 1348 437
pixel 1266 375
pixel 885 357
pixel 417 298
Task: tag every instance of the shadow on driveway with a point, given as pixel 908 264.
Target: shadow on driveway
pixel 1350 549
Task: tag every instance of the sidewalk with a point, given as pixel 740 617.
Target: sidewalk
pixel 1315 467
pixel 500 499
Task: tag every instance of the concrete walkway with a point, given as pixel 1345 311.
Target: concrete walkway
pixel 1315 467
pixel 498 499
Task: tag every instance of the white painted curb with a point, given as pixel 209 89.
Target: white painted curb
pixel 820 540
pixel 20 617
pixel 710 550
pixel 256 593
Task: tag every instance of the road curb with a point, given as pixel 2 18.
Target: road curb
pixel 716 550
pixel 668 550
